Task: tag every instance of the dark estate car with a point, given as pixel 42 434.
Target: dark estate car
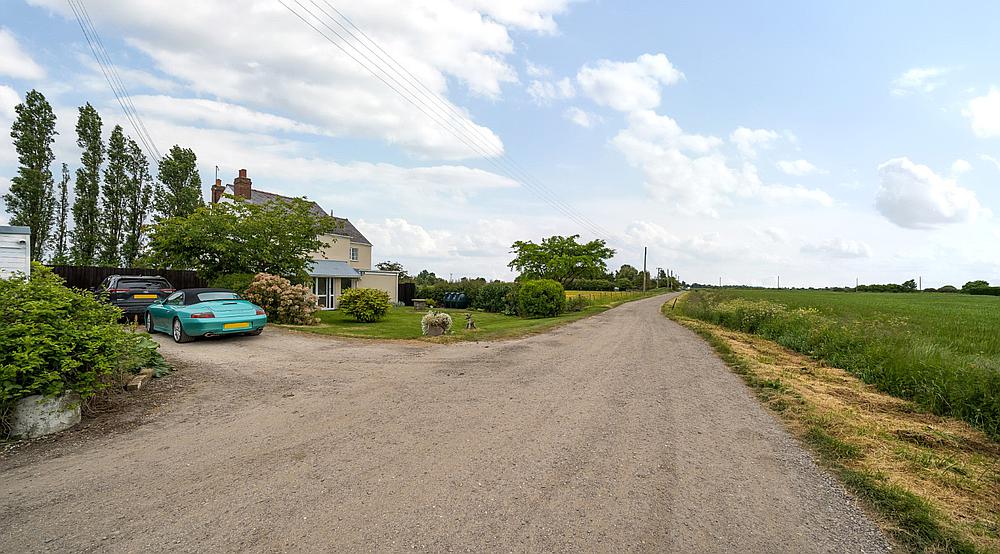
pixel 134 293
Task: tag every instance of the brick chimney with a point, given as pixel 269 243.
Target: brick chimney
pixel 241 185
pixel 217 190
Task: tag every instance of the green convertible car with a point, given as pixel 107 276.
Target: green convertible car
pixel 190 313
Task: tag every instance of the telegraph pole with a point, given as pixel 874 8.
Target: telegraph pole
pixel 643 269
pixel 779 281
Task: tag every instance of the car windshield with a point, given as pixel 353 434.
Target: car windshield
pixel 208 296
pixel 143 284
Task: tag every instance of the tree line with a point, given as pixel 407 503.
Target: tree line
pixel 114 193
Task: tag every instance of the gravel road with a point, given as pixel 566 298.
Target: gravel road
pixel 620 432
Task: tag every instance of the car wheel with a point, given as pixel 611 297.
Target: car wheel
pixel 178 332
pixel 149 323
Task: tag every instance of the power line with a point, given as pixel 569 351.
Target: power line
pixel 112 77
pixel 417 100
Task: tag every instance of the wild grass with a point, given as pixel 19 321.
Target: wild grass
pixel 932 482
pixel 941 351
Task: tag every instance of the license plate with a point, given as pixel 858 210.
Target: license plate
pixel 243 325
pixel 143 296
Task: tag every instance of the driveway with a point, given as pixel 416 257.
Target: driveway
pixel 622 431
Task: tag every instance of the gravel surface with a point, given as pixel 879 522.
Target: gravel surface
pixel 622 431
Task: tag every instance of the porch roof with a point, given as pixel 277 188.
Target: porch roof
pixel 332 268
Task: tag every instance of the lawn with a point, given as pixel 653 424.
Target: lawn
pixel 404 322
pixel 940 350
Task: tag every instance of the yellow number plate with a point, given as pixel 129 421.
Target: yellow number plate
pixel 143 296
pixel 243 325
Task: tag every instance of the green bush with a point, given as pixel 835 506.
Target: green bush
pixel 498 298
pixel 985 291
pixel 471 289
pixel 577 303
pixel 237 282
pixel 591 284
pixel 366 305
pixel 541 298
pixel 55 339
pixel 282 301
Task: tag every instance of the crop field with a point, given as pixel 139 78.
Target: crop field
pixel 941 351
pixel 610 295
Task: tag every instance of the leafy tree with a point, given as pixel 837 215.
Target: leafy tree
pixel 138 193
pixel 627 272
pixel 238 237
pixel 30 200
pixel 61 254
pixel 974 285
pixel 179 191
pixel 86 215
pixel 561 259
pixel 392 266
pixel 113 199
pixel 427 278
pixel 910 285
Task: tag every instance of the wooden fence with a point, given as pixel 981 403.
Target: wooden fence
pixel 88 277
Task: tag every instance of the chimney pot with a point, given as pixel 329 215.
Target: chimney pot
pixel 243 173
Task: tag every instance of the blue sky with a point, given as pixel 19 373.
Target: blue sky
pixel 821 142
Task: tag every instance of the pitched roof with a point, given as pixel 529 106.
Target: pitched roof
pixel 344 225
pixel 331 268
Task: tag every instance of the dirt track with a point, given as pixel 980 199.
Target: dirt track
pixel 619 432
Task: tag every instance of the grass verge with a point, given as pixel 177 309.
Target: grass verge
pixel 403 323
pixel 933 482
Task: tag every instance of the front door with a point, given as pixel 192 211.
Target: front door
pixel 323 288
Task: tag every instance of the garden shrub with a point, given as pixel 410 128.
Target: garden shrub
pixel 282 301
pixel 541 298
pixel 497 298
pixel 591 284
pixel 577 303
pixel 236 282
pixel 55 339
pixel 366 305
pixel 440 320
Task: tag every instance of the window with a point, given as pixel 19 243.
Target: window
pixel 208 296
pixel 175 299
pixel 354 254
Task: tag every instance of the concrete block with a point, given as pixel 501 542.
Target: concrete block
pixel 139 381
pixel 37 416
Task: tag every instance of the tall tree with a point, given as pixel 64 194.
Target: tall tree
pixel 179 191
pixel 561 258
pixel 137 198
pixel 30 201
pixel 61 253
pixel 86 217
pixel 113 193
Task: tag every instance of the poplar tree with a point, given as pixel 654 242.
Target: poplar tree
pixel 179 190
pixel 61 254
pixel 86 216
pixel 30 201
pixel 113 193
pixel 137 198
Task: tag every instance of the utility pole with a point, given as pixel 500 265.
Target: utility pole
pixel 779 281
pixel 920 285
pixel 720 282
pixel 644 269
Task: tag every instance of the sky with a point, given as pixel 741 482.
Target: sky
pixel 737 141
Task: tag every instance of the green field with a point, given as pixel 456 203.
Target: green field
pixel 940 350
pixel 404 323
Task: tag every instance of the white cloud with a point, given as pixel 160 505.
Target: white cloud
pixel 838 248
pixel 960 166
pixel 690 173
pixel 984 114
pixel 628 86
pixel 210 113
pixel 913 196
pixel 581 117
pixel 919 79
pixel 796 168
pixel 8 100
pixel 14 61
pixel 990 159
pixel 536 70
pixel 747 141
pixel 272 62
pixel 543 92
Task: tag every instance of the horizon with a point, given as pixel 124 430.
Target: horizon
pixel 820 143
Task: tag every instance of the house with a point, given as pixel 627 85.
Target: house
pixel 15 251
pixel 346 263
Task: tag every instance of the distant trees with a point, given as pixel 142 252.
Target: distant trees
pixel 389 265
pixel 971 285
pixel 561 259
pixel 427 278
pixel 179 190
pixel 109 215
pixel 30 200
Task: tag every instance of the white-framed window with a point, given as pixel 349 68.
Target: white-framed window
pixel 354 254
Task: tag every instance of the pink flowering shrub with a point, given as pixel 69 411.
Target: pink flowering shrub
pixel 284 302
